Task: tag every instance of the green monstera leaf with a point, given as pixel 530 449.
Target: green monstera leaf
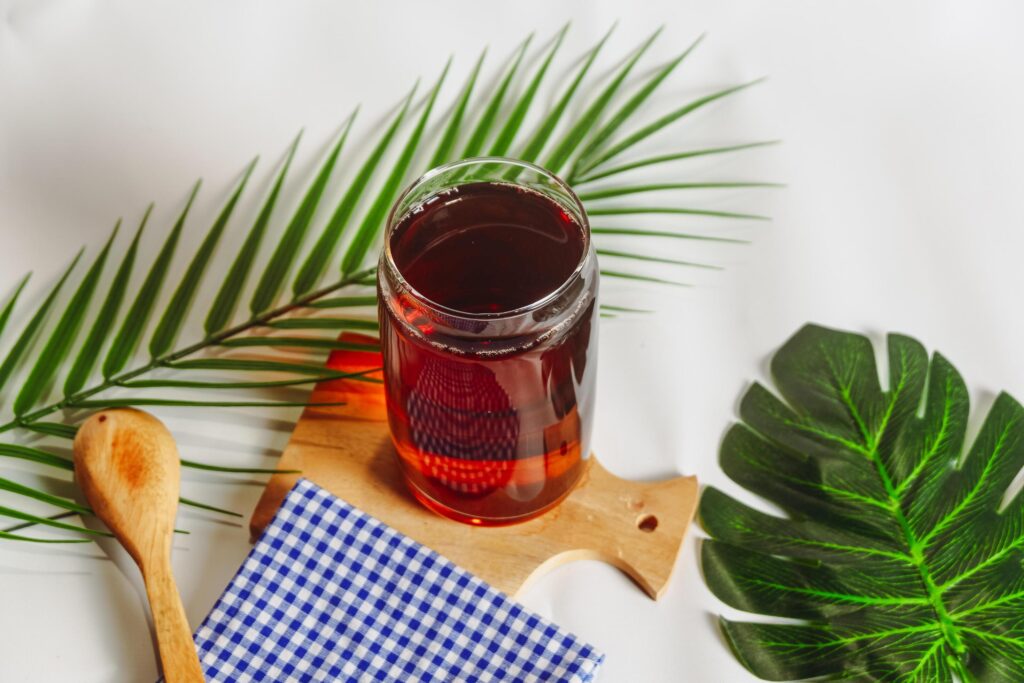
pixel 900 554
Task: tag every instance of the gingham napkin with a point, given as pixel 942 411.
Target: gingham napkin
pixel 332 594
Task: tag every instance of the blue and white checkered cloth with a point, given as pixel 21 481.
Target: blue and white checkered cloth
pixel 331 594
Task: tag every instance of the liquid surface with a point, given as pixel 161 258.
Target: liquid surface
pixel 488 440
pixel 487 248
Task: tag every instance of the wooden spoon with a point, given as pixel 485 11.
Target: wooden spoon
pixel 128 467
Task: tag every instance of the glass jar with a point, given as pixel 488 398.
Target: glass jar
pixel 488 287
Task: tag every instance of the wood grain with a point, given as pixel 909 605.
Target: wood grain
pixel 127 465
pixel 635 526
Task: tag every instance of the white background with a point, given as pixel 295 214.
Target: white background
pixel 904 210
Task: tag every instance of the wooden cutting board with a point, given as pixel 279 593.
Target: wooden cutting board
pixel 638 527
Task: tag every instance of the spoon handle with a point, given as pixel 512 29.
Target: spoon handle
pixel 173 636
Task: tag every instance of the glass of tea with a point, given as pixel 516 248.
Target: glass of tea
pixel 488 289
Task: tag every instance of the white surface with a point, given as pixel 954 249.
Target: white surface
pixel 903 148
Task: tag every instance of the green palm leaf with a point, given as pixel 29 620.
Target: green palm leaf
pixel 235 470
pixel 483 127
pixel 641 278
pixel 614 253
pixel 634 210
pixel 134 324
pixel 204 506
pixel 42 457
pixel 177 309
pixel 182 403
pixel 627 110
pixel 623 190
pixel 373 222
pixel 316 263
pixel 664 233
pixel 30 539
pixel 624 309
pixel 61 431
pixel 652 128
pixel 247 365
pixel 59 344
pixel 9 307
pixel 28 492
pixel 308 379
pixel 665 158
pixel 540 137
pixel 288 247
pixel 324 324
pixel 231 291
pixel 345 302
pixel 454 127
pixel 586 122
pixel 28 335
pixel 90 350
pixel 299 342
pixel 45 521
pixel 508 132
pixel 898 553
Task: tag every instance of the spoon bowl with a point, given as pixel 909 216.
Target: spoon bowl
pixel 127 465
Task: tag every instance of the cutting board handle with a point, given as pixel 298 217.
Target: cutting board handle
pixel 635 526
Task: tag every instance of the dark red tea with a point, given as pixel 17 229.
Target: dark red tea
pixel 489 405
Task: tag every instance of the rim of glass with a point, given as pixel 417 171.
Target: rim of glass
pixel 392 267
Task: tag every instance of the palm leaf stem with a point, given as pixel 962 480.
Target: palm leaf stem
pixel 25 525
pixel 170 357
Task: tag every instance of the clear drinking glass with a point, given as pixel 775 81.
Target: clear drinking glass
pixel 488 286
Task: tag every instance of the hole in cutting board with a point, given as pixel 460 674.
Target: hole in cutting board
pixel 647 523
